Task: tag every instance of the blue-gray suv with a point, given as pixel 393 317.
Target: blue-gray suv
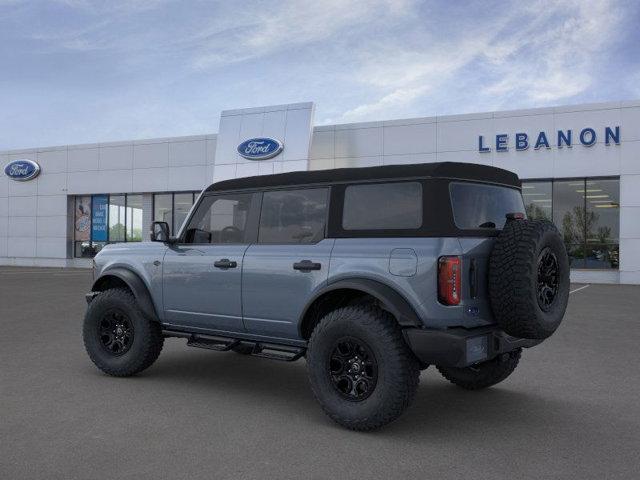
pixel 371 274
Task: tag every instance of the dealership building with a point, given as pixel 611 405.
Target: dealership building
pixel 580 167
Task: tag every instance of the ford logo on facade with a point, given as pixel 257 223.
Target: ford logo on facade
pixel 260 148
pixel 22 170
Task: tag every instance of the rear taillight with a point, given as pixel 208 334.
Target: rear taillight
pixel 449 273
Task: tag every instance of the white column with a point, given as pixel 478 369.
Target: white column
pixel 630 229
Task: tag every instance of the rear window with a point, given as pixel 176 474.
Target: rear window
pixel 483 206
pixel 383 206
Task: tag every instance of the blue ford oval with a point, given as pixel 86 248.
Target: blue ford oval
pixel 260 148
pixel 22 170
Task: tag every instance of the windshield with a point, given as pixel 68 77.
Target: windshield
pixel 476 205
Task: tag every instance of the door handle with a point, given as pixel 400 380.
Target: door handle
pixel 306 265
pixel 225 263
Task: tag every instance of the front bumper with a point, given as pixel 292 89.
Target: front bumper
pixel 461 347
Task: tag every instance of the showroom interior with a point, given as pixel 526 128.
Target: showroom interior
pixel 580 167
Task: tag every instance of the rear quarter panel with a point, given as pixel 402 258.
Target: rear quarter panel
pixel 370 258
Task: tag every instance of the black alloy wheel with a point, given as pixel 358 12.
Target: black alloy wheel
pixel 119 338
pixel 548 279
pixel 529 279
pixel 353 369
pixel 116 332
pixel 361 370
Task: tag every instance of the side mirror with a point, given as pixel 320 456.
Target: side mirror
pixel 159 232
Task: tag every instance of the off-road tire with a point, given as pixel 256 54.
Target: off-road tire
pixel 398 370
pixel 514 278
pixel 147 335
pixel 484 374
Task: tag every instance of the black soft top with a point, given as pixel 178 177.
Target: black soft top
pixel 451 170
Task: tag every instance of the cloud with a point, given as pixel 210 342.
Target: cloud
pixel 209 34
pixel 543 52
pixel 256 32
pixel 99 8
pixel 105 70
pixel 553 60
pixel 406 76
pixel 398 98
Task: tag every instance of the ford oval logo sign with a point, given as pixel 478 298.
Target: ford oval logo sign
pixel 22 170
pixel 260 148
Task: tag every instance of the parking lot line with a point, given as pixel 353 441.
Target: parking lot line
pixel 579 288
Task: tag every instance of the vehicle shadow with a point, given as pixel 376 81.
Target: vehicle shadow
pixel 236 374
pixel 440 410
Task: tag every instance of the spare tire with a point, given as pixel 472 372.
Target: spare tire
pixel 529 278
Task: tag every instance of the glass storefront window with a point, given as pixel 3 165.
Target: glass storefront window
pixel 587 214
pixel 82 227
pixel 134 218
pixel 102 219
pixel 569 217
pixel 603 223
pixel 568 210
pixel 603 207
pixel 117 218
pixel 537 198
pixel 182 203
pixel 172 208
pixel 163 208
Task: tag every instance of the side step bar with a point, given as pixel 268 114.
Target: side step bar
pixel 273 351
pixel 219 344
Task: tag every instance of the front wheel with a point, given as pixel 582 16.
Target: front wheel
pixel 484 374
pixel 118 337
pixel 361 371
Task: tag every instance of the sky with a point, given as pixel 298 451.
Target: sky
pixel 80 71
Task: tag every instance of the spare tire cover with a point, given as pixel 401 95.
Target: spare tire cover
pixel 529 278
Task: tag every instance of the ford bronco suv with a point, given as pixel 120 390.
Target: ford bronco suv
pixel 370 274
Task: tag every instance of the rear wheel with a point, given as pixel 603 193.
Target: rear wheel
pixel 118 337
pixel 361 371
pixel 484 374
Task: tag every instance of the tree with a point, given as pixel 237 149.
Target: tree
pixel 577 223
pixel 116 232
pixel 604 234
pixel 534 212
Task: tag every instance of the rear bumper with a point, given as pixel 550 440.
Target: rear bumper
pixel 460 347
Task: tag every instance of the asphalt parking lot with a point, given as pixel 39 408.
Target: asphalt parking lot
pixel 571 409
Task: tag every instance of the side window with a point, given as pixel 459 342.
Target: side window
pixel 219 219
pixel 383 206
pixel 293 216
